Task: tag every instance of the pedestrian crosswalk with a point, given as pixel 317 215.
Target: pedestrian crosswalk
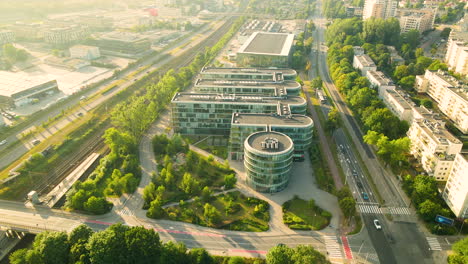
pixel 433 243
pixel 375 209
pixel 399 210
pixel 333 247
pixel 370 209
pixel 126 211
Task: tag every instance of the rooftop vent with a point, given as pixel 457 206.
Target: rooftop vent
pixel 270 143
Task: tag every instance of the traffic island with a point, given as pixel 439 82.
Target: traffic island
pixel 299 214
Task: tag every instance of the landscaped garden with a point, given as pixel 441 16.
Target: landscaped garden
pixel 191 180
pixel 305 215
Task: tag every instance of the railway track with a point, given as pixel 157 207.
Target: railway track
pixel 96 143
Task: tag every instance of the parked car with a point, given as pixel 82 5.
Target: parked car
pixel 35 142
pixel 377 224
pixel 3 142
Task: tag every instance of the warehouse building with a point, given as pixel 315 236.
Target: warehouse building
pixel 20 90
pixel 264 49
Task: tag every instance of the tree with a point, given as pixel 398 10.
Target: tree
pixel 334 119
pixel 236 260
pixel 51 247
pixel 211 214
pixel 316 82
pixel 19 256
pixel 206 194
pixel 307 254
pixel 428 210
pixel 407 82
pixel 155 210
pixel 97 205
pixel 348 206
pixel 230 181
pixel 460 249
pixel 174 253
pixel 280 254
pixel 189 185
pixel 78 239
pixel 143 245
pixel 200 256
pixel 108 246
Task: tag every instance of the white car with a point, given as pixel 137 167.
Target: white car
pixel 377 224
pixel 3 142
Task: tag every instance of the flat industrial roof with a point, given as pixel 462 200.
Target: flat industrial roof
pixel 380 77
pixel 365 60
pixel 399 98
pixel 258 71
pixel 255 141
pixel 247 99
pixel 268 43
pixel 12 83
pixel 271 119
pixel 249 83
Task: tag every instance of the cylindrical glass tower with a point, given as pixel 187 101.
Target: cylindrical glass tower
pixel 268 158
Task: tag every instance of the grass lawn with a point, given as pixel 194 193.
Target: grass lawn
pixel 234 212
pixel 305 215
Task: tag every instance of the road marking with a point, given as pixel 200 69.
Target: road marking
pixel 333 247
pixel 399 210
pixel 126 211
pixel 98 222
pixel 347 249
pixel 433 243
pixel 188 233
pixel 369 209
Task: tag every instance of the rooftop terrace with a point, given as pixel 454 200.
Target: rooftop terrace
pixel 268 43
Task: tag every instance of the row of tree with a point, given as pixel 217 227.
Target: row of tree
pixel 118 244
pixel 425 196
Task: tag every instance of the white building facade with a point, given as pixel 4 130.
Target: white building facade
pixel 85 52
pixel 379 9
pixel 381 81
pixel 457 52
pixel 456 189
pixel 364 63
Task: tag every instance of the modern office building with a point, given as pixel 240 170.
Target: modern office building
pixel 269 88
pixel 211 114
pixel 6 36
pixel 19 89
pixel 268 161
pixel 298 127
pixel 122 43
pixel 379 9
pixel 450 94
pixel 364 63
pixel 457 52
pixel 416 19
pixel 264 49
pixel 65 35
pixel 380 81
pixel 434 147
pixel 265 74
pixel 84 52
pixel 456 189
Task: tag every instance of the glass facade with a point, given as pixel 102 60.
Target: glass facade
pixel 300 135
pixel 268 171
pixel 261 60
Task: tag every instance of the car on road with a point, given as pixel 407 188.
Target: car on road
pixel 359 184
pixel 35 142
pixel 80 114
pixel 365 196
pixel 377 224
pixel 3 142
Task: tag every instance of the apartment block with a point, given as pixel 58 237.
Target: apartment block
pixel 395 58
pixel 416 19
pixel 6 36
pixel 434 147
pixel 381 81
pixel 399 103
pixel 450 94
pixel 27 31
pixel 364 63
pixel 456 190
pixel 457 52
pixel 379 9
